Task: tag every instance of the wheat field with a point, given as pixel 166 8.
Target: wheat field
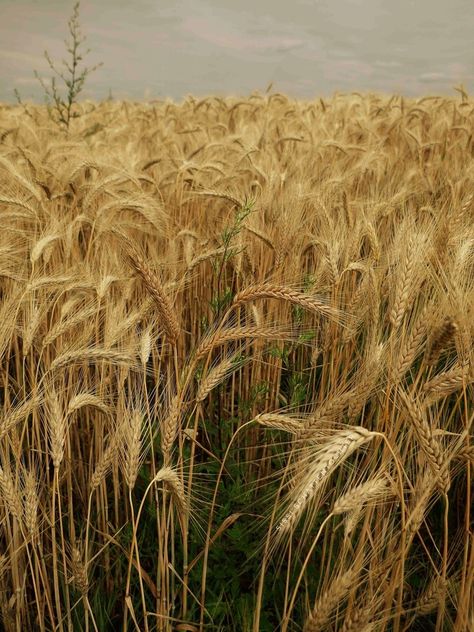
pixel 236 345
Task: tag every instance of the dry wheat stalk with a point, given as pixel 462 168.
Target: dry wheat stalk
pixel 59 209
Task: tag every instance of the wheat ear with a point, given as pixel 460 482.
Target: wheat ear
pixel 154 285
pixel 440 340
pixel 410 350
pixel 69 358
pixel 31 504
pixel 279 421
pixel 404 285
pixel 79 570
pixel 356 497
pixel 218 374
pixel 267 290
pixel 238 333
pixel 10 495
pixel 56 427
pixel 17 414
pixel 171 479
pixel 332 453
pixel 428 442
pixel 170 427
pixel 327 603
pixel 131 436
pixel 81 400
pixel 106 459
pixel 447 382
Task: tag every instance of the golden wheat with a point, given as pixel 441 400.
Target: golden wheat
pixel 237 323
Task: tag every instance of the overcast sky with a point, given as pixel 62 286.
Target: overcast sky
pixel 307 48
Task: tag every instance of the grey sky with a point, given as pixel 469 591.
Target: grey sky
pixel 307 48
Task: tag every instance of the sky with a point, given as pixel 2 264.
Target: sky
pixel 156 49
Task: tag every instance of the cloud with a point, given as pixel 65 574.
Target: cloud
pixel 28 81
pixel 219 35
pixel 428 77
pixel 18 57
pixel 387 64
